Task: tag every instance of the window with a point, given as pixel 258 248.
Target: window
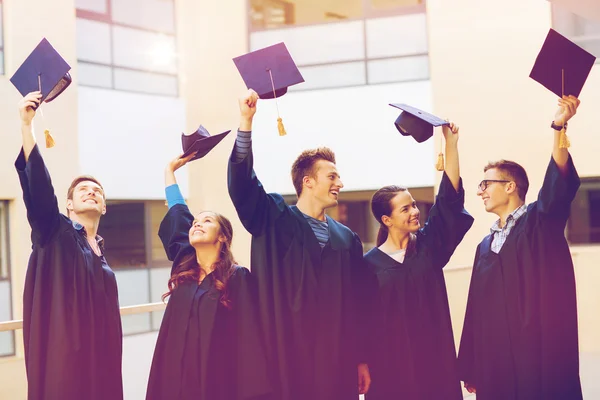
pixel 1 39
pixel 584 32
pixel 584 223
pixel 7 339
pixel 134 251
pixel 361 42
pixel 127 45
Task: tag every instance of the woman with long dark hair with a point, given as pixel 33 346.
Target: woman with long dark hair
pixel 209 345
pixel 416 358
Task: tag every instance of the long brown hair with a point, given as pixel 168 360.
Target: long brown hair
pixel 188 268
pixel 381 204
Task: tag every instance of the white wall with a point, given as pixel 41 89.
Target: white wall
pixel 126 139
pixel 358 124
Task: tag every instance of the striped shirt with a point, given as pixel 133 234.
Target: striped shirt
pixel 499 235
pixel 320 229
pixel 243 145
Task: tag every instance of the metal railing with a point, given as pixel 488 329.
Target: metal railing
pixel 129 310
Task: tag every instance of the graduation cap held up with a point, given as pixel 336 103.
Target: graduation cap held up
pixel 200 142
pixel 46 71
pixel 419 124
pixel 562 67
pixel 269 72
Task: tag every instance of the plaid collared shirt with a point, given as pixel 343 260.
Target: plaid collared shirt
pixel 499 235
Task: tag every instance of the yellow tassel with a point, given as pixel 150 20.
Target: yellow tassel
pixel 564 142
pixel 49 139
pixel 280 127
pixel 440 162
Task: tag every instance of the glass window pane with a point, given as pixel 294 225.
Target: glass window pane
pixel 1 25
pixel 7 345
pixel 145 82
pixel 98 6
pixel 399 69
pixel 94 75
pixel 134 289
pixel 266 14
pixel 4 261
pixel 93 41
pixel 144 50
pixel 330 76
pixel 397 36
pixel 123 230
pixel 336 42
pixel 155 15
pixel 157 210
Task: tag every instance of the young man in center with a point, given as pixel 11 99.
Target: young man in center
pixel 310 271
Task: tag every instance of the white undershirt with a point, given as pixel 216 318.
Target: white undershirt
pixel 397 255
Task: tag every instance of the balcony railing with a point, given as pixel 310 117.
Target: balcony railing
pixel 129 310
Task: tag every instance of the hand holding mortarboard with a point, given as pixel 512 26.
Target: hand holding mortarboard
pixel 269 71
pixel 562 67
pixel 247 109
pixel 28 105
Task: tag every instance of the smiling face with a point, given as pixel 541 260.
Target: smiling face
pixel 87 198
pixel 405 214
pixel 324 186
pixel 205 230
pixel 496 195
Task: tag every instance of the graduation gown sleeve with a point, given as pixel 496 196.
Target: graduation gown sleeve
pixel 174 231
pixel 256 209
pixel 557 193
pixel 39 197
pixel 448 222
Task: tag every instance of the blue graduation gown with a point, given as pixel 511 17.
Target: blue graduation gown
pixel 204 350
pixel 519 338
pixel 311 299
pixel 71 323
pixel 416 357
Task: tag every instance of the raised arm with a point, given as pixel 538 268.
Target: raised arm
pixel 561 180
pixel 175 226
pixel 448 221
pixel 38 192
pixel 452 167
pixel 254 206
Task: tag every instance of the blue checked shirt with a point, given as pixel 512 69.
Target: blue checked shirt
pixel 499 235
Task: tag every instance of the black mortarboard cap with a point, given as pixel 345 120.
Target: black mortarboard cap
pixel 44 69
pixel 562 66
pixel 201 142
pixel 254 68
pixel 416 123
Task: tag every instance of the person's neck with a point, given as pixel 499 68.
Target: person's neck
pixel 206 256
pixel 310 207
pixel 89 222
pixel 507 210
pixel 395 241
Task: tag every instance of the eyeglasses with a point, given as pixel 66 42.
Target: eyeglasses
pixel 483 185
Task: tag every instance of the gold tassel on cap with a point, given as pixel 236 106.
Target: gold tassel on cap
pixel 564 142
pixel 49 139
pixel 50 142
pixel 440 162
pixel 280 126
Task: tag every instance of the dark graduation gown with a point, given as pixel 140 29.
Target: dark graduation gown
pixel 519 338
pixel 310 298
pixel 71 323
pixel 416 357
pixel 205 351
